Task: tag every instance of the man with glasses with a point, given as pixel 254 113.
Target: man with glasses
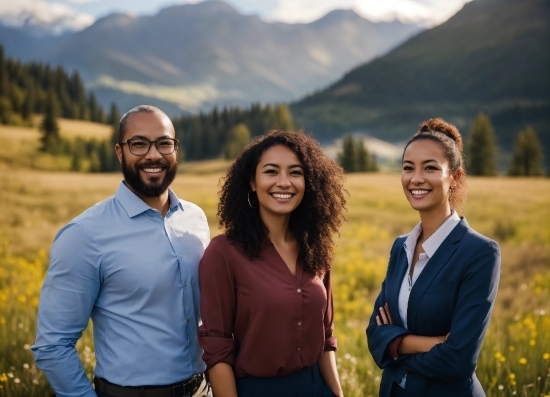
pixel 130 263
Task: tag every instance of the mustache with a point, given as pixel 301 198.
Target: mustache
pixel 152 164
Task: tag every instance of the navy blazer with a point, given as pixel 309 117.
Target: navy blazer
pixel 454 293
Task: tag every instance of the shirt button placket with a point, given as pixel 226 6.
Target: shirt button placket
pixel 300 306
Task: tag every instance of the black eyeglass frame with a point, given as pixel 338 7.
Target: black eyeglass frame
pixel 129 143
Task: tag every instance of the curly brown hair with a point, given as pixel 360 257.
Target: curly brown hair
pixel 450 140
pixel 312 223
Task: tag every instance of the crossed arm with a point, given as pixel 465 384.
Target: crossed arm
pixel 410 343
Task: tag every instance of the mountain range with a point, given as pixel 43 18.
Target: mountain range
pixel 196 56
pixel 492 56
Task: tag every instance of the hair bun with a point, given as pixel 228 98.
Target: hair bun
pixel 440 125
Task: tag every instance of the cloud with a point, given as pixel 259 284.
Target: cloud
pixel 303 11
pixel 54 18
pixel 83 1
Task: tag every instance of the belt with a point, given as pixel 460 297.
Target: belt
pixel 186 388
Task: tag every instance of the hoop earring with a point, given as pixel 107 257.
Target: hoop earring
pixel 248 197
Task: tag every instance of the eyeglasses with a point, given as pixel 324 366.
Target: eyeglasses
pixel 140 146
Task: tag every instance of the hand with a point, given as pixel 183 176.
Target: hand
pixel 385 316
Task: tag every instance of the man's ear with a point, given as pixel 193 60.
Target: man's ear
pixel 118 151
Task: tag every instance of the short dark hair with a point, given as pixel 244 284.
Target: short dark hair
pixel 450 140
pixel 312 223
pixel 123 123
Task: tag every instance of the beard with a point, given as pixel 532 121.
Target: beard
pixel 151 189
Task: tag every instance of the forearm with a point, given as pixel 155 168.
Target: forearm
pixel 64 370
pixel 329 372
pixel 412 344
pixel 222 380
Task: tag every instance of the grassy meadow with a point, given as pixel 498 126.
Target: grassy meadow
pixel 515 360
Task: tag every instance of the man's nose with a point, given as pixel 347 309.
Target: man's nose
pixel 153 152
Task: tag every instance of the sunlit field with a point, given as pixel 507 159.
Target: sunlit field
pixel 515 359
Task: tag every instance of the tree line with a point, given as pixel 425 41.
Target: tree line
pixel 482 149
pixel 481 152
pixel 226 131
pixel 27 88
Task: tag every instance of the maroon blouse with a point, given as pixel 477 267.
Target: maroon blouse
pixel 257 316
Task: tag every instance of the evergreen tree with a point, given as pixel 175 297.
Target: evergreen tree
pixel 6 113
pixel 348 157
pixel 239 137
pixel 363 156
pixel 282 118
pixel 527 159
pixel 481 147
pixel 95 164
pixel 114 115
pixel 77 154
pixel 4 77
pixel 50 139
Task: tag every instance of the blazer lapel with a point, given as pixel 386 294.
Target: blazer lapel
pixel 436 263
pixel 401 267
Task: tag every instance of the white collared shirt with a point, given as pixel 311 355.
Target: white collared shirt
pixel 430 246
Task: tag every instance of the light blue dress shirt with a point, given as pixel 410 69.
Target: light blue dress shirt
pixel 135 274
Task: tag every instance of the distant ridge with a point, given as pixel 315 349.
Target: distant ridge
pixel 491 56
pixel 199 55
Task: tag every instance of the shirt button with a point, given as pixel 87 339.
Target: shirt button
pixel 185 284
pixel 181 256
pixel 188 320
pixel 299 323
pixel 298 349
pixel 299 290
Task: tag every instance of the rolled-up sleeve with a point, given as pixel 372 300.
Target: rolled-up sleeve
pixel 217 306
pixel 66 301
pixel 330 341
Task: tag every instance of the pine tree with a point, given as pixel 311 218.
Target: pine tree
pixel 6 112
pixel 481 147
pixel 239 137
pixel 114 115
pixel 362 153
pixel 283 118
pixel 527 159
pixel 50 129
pixel 348 157
pixel 77 153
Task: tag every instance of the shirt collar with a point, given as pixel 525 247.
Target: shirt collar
pixel 432 244
pixel 133 205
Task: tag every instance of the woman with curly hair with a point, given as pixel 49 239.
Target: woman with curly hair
pixel 266 297
pixel 432 313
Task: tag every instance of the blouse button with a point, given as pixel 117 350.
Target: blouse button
pixel 299 323
pixel 299 290
pixel 298 349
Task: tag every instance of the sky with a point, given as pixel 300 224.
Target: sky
pixel 65 15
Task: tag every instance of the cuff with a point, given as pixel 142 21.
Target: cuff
pixel 393 347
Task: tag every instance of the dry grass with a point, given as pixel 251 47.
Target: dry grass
pixel 79 128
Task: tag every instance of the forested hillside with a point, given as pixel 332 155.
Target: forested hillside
pixel 26 87
pixel 492 56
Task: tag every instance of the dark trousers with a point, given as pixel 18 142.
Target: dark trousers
pixel 305 383
pixel 397 391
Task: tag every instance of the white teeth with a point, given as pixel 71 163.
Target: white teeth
pixel 282 195
pixel 152 170
pixel 417 192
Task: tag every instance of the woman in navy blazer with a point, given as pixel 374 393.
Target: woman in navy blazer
pixel 431 315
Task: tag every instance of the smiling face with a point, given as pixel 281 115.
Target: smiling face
pixel 426 178
pixel 279 182
pixel 148 175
